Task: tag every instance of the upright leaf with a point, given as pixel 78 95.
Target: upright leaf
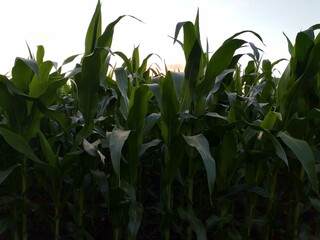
pixel 94 31
pixel 117 140
pixel 89 82
pixel 123 85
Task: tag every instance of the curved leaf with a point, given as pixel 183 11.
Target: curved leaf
pixel 201 144
pixel 5 173
pixel 303 152
pixel 196 224
pixel 19 143
pixel 117 140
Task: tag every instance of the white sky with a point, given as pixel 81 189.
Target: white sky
pixel 60 25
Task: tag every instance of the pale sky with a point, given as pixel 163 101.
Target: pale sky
pixel 60 25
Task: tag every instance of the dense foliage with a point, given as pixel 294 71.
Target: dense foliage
pixel 218 151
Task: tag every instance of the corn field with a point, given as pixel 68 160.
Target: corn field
pixel 220 150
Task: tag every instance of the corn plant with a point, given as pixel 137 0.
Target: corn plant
pixel 222 150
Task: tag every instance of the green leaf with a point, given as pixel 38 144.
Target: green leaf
pixel 217 64
pixel 123 85
pixel 138 109
pixel 242 32
pixel 316 203
pixel 201 144
pixel 156 90
pixel 290 46
pixel 40 54
pixel 89 83
pixel 269 120
pixel 117 140
pixel 47 150
pixel 135 217
pixel 279 149
pixel 303 152
pixel 19 143
pixel 193 66
pixel 94 31
pixel 170 107
pixel 105 40
pixel 23 72
pixel 150 121
pixel 38 85
pixel 5 173
pixel 146 146
pixel 15 107
pixel 196 224
pixel 101 180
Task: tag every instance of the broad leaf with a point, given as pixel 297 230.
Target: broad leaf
pixel 94 31
pixel 303 152
pixel 19 143
pixel 88 85
pixel 201 144
pixel 47 150
pixel 5 173
pixel 117 140
pixel 196 224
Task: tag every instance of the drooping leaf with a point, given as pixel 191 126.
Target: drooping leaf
pixel 19 143
pixel 196 224
pixel 105 40
pixel 5 173
pixel 316 203
pixel 146 146
pixel 303 152
pixel 150 121
pixel 201 144
pixel 101 180
pixel 279 149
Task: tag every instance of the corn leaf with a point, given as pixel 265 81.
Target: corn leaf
pixel 303 152
pixel 135 217
pixel 196 224
pixel 94 31
pixel 117 140
pixel 23 72
pixel 47 150
pixel 88 85
pixel 279 149
pixel 170 107
pixel 217 64
pixel 19 144
pixel 123 85
pixel 15 107
pixel 38 85
pixel 269 120
pixel 5 173
pixel 105 40
pixel 201 144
